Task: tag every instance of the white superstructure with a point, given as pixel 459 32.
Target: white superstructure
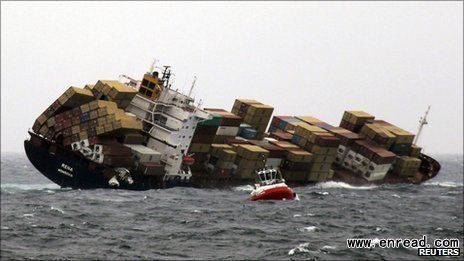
pixel 169 120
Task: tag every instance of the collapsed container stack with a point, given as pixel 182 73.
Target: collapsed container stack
pixel 354 120
pixel 303 147
pixel 253 113
pixel 221 159
pixel 222 126
pixel 283 124
pixel 386 147
pixel 368 160
pixel 80 120
pixel 297 164
pixel 347 139
pixel 322 144
pixel 113 91
pixel 406 166
pixel 228 127
pixel 250 158
pixel 378 134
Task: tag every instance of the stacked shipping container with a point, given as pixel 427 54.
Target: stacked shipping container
pixel 253 113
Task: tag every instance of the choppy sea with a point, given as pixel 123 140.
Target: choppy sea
pixel 41 221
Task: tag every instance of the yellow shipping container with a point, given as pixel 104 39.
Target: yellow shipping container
pixel 252 152
pixel 299 156
pixel 308 119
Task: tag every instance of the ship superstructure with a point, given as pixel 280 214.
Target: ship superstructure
pixel 169 120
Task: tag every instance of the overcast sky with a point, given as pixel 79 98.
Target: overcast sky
pixel 391 59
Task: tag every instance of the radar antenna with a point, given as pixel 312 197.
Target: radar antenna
pixel 166 75
pixel 422 122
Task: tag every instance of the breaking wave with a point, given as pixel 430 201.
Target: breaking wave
pixel 307 229
pixel 446 184
pixel 244 188
pixel 15 186
pixel 301 248
pixel 338 184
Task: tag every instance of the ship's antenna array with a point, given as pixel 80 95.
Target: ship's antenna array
pixel 152 67
pixel 422 122
pixel 193 85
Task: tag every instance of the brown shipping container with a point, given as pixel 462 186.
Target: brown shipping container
pixel 151 169
pixel 291 165
pixel 206 130
pixel 118 161
pixel 236 141
pixel 36 127
pixel 116 149
pixel 282 136
pixel 294 176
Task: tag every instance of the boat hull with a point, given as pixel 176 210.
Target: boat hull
pixel 69 169
pixel 274 193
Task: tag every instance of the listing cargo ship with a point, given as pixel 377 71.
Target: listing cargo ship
pixel 139 135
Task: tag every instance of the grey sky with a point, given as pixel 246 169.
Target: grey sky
pixel 391 59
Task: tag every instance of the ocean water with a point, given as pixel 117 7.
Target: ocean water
pixel 41 221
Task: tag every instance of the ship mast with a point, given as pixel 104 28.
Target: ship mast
pixel 422 122
pixel 193 85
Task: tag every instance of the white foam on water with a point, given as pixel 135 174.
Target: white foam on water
pixel 327 247
pixel 15 186
pixel 244 188
pixel 297 215
pixel 307 229
pixel 396 196
pixel 338 184
pixel 299 249
pixel 310 214
pixel 446 184
pixel 56 209
pixel 28 215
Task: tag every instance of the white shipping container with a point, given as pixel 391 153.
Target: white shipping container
pixel 347 163
pixel 341 149
pixel 144 154
pixel 227 131
pixel 358 158
pixel 379 167
pixel 371 176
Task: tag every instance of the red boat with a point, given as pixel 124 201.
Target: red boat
pixel 271 186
